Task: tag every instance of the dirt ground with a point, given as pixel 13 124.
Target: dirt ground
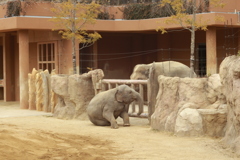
pixel 31 135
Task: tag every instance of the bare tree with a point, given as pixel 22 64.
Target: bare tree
pixel 72 17
pixel 184 12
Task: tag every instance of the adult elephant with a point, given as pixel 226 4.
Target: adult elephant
pixel 106 106
pixel 167 68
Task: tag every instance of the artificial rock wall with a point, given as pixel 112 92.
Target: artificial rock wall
pixel 230 78
pixel 74 93
pixel 190 106
pixel 202 106
pixel 41 97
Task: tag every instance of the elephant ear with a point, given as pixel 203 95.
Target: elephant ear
pixel 119 96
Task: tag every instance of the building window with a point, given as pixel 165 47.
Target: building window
pixel 47 56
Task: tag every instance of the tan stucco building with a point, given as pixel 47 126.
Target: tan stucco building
pixel 28 42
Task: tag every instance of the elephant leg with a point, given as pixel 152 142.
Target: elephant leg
pixel 102 123
pixel 99 122
pixel 125 117
pixel 126 107
pixel 110 117
pixel 133 106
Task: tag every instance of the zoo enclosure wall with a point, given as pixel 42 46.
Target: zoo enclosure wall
pixel 113 7
pixel 13 24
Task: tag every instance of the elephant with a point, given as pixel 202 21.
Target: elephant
pixel 107 106
pixel 167 68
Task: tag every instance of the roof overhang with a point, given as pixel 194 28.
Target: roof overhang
pixel 44 23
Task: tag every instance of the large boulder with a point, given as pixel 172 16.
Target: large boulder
pixel 230 77
pixel 214 121
pixel 185 106
pixel 74 93
pixel 189 122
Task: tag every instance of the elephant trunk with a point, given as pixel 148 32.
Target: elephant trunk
pixel 140 103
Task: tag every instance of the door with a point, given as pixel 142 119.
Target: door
pixel 200 67
pixel 86 59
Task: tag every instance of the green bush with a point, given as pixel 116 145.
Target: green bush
pixel 13 8
pixel 143 11
pixel 105 15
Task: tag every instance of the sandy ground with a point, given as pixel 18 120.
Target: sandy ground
pixel 30 135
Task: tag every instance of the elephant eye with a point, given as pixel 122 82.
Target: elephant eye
pixel 130 92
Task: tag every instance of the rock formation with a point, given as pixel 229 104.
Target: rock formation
pixel 53 98
pixel 32 89
pixel 190 106
pixel 39 90
pixel 74 93
pixel 230 78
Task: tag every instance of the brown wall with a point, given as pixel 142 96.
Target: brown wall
pixel 170 46
pixel 230 6
pixel 65 57
pixel 2 11
pixel 118 53
pixel 13 57
pixel 37 36
pixel 1 69
pixel 180 46
pixel 9 71
pixel 176 45
pixel 110 49
pixel 33 56
pixel 227 43
pixel 43 35
pixel 222 45
pixel 16 62
pixel 1 61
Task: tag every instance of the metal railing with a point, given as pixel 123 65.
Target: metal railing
pixel 138 85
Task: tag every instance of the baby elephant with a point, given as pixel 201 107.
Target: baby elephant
pixel 106 106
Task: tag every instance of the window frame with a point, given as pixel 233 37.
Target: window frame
pixel 53 56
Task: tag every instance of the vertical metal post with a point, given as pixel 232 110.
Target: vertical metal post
pixel 141 92
pixel 109 86
pixel 133 103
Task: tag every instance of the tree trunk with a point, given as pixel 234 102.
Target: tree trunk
pixel 73 38
pixel 74 56
pixel 192 58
